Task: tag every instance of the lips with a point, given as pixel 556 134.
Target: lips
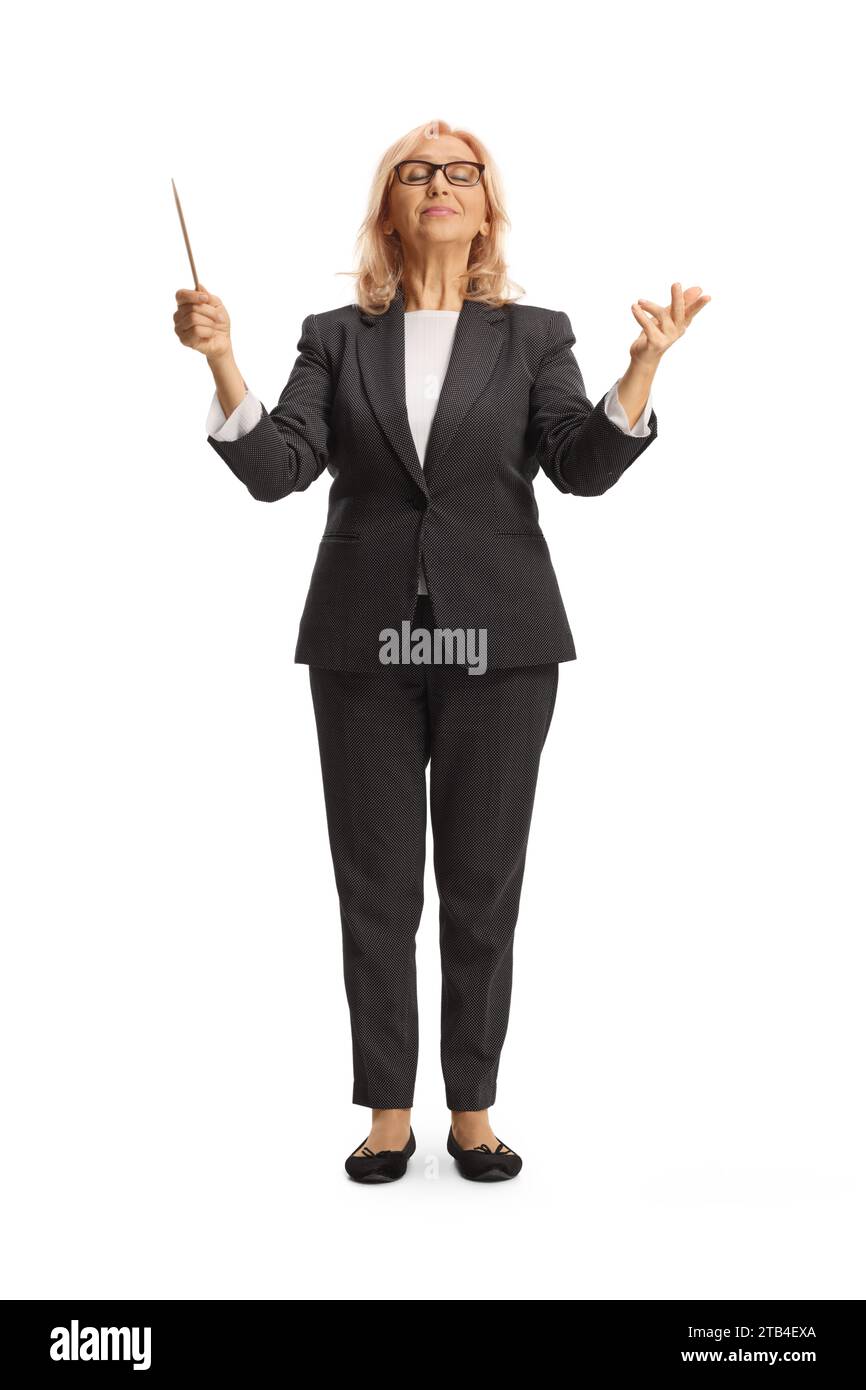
pixel 438 212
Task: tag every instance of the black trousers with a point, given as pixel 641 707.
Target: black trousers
pixel 482 735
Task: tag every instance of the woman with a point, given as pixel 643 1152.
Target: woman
pixel 434 625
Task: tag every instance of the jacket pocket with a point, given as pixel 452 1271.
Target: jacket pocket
pixel 536 532
pixel 339 536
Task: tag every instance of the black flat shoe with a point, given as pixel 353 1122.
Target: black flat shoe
pixel 385 1166
pixel 482 1164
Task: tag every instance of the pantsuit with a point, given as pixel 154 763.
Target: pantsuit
pixel 482 736
pixel 512 402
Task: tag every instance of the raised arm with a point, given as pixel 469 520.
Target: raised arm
pixel 273 452
pixel 580 447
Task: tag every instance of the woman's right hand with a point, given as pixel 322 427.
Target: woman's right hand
pixel 201 321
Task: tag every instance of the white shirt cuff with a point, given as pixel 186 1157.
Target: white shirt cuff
pixel 243 418
pixel 615 412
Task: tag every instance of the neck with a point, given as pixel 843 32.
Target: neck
pixel 432 284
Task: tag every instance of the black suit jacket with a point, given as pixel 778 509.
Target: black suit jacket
pixel 512 401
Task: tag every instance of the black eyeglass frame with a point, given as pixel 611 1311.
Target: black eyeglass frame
pixel 422 183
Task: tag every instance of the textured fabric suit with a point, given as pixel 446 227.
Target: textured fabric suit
pixel 512 401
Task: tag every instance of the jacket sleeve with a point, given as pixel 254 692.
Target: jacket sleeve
pixel 288 448
pixel 577 444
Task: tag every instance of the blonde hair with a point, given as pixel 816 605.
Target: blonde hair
pixel 379 257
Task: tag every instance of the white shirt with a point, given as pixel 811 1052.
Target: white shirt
pixel 429 336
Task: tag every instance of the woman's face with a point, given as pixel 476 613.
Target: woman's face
pixel 437 213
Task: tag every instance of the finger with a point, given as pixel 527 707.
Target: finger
pixel 697 307
pixel 677 305
pixel 660 314
pixel 648 324
pixel 211 298
pixel 192 296
pixel 189 314
pixel 185 319
pixel 196 333
pixel 191 337
pixel 206 311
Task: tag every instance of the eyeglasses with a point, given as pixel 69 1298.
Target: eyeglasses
pixel 419 171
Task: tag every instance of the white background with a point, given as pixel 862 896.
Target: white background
pixel 683 1071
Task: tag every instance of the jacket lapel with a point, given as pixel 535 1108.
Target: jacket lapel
pixel 382 364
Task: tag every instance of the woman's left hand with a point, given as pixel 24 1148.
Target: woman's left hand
pixel 661 327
